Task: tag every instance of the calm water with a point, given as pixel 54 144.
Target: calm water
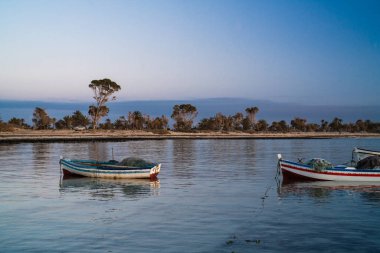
pixel 212 196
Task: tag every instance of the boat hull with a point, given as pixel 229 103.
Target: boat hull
pixel 298 171
pixel 70 168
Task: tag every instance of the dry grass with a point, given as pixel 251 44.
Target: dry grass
pixel 4 127
pixel 21 135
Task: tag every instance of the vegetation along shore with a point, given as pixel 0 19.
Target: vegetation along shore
pixel 27 135
pixel 136 125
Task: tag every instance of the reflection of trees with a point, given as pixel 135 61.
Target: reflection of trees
pixel 184 158
pixel 151 150
pixel 7 151
pixel 98 151
pixel 245 152
pixel 41 153
pixel 107 189
pixel 218 155
pixel 10 154
pixel 6 148
pixel 213 157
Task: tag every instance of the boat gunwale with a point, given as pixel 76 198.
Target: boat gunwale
pixel 100 171
pixel 338 170
pixel 357 150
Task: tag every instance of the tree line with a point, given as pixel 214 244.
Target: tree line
pixel 183 116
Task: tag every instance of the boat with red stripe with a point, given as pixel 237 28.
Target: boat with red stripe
pixel 306 171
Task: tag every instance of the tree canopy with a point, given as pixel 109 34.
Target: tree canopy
pixel 184 115
pixel 41 119
pixel 77 119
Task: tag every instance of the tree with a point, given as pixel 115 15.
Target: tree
pixel 78 119
pixel 219 121
pixel 324 126
pixel 251 115
pixel 75 120
pixel 136 120
pixel 96 113
pixel 184 115
pixel 312 127
pixel 361 126
pixel 159 123
pixel 60 124
pixel 5 127
pixel 298 124
pixel 206 124
pixel 262 125
pixel 349 127
pixel 228 123
pixel 121 123
pixel 41 119
pixel 18 122
pixel 373 127
pixel 336 125
pixel 103 89
pixel 246 123
pixel 280 126
pixel 238 120
pixel 69 121
pixel 65 123
pixel 107 125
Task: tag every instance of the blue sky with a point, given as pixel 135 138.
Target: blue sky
pixel 308 52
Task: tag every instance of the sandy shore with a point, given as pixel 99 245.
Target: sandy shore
pixel 22 135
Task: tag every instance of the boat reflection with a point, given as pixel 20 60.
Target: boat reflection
pixel 107 189
pixel 324 189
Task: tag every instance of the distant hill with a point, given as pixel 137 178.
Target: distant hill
pixel 270 111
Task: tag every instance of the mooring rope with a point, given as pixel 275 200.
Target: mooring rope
pixel 276 181
pixel 260 209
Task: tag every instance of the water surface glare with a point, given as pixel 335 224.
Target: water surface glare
pixel 212 196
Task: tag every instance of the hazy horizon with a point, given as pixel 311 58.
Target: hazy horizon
pixel 304 52
pixel 90 100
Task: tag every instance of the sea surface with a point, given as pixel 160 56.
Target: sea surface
pixel 211 196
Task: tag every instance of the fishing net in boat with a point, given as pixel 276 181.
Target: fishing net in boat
pixel 319 164
pixel 370 162
pixel 135 162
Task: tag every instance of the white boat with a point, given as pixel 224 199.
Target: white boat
pixel 361 153
pixel 292 171
pixel 108 169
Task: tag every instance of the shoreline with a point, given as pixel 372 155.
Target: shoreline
pixel 31 136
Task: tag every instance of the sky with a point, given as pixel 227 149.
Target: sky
pixel 307 52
